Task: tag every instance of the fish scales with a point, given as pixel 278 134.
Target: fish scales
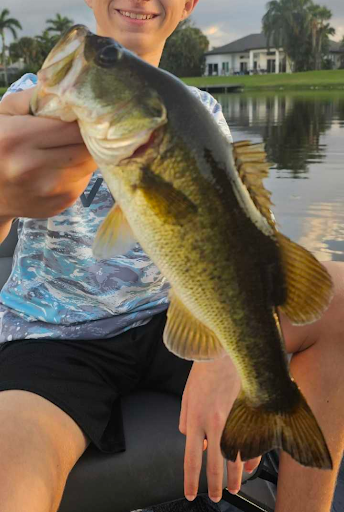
pixel 179 190
pixel 205 274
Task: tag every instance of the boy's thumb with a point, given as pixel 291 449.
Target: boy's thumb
pixel 18 103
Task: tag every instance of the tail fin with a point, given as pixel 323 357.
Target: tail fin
pixel 255 431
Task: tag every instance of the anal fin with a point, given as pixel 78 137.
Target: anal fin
pixel 309 286
pixel 187 337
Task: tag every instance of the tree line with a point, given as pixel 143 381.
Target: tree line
pixel 33 50
pixel 301 27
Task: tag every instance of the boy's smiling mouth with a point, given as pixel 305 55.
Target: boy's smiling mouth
pixel 140 16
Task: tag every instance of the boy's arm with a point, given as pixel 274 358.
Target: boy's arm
pixel 5 227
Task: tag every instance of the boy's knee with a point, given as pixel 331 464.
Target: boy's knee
pixel 39 445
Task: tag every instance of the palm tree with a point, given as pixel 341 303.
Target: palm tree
pixel 25 48
pixel 46 42
pixel 286 24
pixel 10 24
pixel 60 24
pixel 320 32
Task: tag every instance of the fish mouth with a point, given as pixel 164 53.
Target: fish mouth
pixel 59 72
pixel 68 45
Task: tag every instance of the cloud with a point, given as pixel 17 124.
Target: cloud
pixel 217 34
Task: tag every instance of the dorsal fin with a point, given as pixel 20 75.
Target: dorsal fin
pixel 250 160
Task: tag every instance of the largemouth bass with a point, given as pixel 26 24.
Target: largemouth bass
pixel 197 206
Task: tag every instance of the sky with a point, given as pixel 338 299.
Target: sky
pixel 223 21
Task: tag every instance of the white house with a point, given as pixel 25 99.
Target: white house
pixel 12 72
pixel 250 55
pixel 246 55
pixel 336 54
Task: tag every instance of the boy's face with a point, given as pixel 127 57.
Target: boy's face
pixel 118 19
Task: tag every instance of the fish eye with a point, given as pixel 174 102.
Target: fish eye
pixel 109 56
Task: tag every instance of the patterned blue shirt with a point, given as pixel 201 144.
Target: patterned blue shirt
pixel 58 290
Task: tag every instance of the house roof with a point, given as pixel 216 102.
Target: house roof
pixel 336 47
pixel 251 42
pixel 257 42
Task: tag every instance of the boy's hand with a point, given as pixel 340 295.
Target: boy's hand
pixel 45 165
pixel 209 394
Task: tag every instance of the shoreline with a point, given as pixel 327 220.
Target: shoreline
pixel 309 80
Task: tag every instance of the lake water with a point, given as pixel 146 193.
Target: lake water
pixel 304 137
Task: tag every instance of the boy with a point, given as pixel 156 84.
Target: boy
pixel 76 334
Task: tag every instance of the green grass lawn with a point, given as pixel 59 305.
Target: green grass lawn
pixel 309 79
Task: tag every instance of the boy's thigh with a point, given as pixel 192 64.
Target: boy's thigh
pixel 39 445
pixel 163 371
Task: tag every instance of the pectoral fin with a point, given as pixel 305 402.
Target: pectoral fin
pixel 114 236
pixel 308 284
pixel 188 338
pixel 164 199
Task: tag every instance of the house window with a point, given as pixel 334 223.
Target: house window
pixel 225 68
pixel 270 53
pixel 271 66
pixel 213 69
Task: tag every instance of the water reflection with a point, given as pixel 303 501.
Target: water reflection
pixel 304 138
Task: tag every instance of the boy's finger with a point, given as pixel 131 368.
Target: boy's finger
pixel 17 104
pixel 214 469
pixel 53 162
pixel 40 132
pixel 56 134
pixel 234 475
pixel 183 415
pixel 47 132
pixel 252 464
pixel 192 463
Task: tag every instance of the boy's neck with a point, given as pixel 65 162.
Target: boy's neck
pixel 152 58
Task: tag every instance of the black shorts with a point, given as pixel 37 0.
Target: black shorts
pixel 87 378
